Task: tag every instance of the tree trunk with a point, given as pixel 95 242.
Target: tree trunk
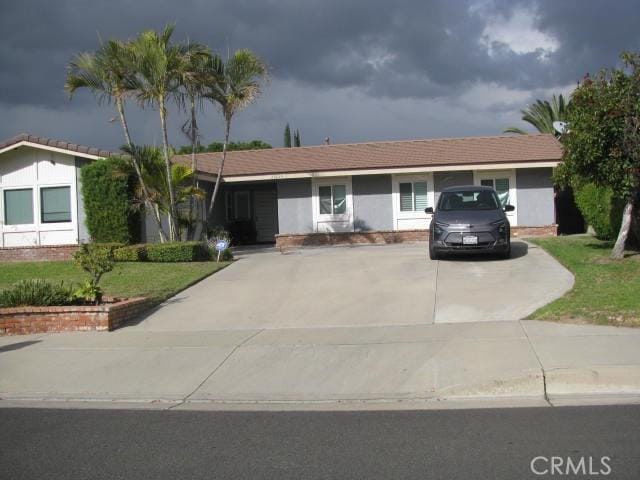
pixel 165 148
pixel 618 249
pixel 137 168
pixel 220 168
pixel 194 145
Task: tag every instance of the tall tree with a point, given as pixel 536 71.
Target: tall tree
pixel 287 136
pixel 296 138
pixel 158 64
pixel 542 114
pixel 197 66
pixel 603 142
pixel 237 84
pixel 110 75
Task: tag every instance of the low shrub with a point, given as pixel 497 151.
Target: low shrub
pixel 37 293
pixel 96 261
pixel 177 252
pixel 226 255
pixel 131 253
pixel 107 247
pixel 601 209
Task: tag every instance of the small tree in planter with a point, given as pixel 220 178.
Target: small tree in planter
pixel 96 262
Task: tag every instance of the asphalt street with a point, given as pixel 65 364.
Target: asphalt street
pixel 448 444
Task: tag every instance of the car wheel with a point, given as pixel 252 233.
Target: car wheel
pixel 507 253
pixel 433 253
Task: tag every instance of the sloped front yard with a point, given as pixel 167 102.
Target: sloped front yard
pixel 157 281
pixel 606 292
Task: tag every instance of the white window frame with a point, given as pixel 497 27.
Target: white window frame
pixel 479 175
pixel 398 215
pixel 343 221
pixel 39 208
pixel 34 208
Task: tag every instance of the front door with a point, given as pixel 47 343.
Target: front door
pixel 504 184
pixel 265 214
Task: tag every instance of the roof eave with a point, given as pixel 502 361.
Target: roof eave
pixel 552 163
pixel 91 155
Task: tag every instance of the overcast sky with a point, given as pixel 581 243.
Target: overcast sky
pixel 353 70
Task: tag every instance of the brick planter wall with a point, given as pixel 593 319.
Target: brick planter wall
pixel 37 253
pixel 545 231
pixel 284 241
pixel 25 320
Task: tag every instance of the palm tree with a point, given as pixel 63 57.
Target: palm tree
pixel 198 67
pixel 542 114
pixel 151 160
pixel 109 75
pixel 237 84
pixel 158 66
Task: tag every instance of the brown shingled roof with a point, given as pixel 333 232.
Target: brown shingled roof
pixel 72 147
pixel 378 155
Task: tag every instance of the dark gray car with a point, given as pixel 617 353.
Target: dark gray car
pixel 469 219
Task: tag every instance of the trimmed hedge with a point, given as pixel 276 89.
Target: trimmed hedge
pixel 601 209
pixel 130 253
pixel 109 247
pixel 177 252
pixel 107 187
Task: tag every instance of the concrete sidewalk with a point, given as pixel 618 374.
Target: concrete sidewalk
pixel 371 367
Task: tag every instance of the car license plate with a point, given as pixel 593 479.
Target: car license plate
pixel 470 240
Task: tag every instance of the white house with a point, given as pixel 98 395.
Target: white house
pixel 40 200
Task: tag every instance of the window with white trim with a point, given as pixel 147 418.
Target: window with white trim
pixel 332 199
pixel 18 206
pixel 413 196
pixel 55 204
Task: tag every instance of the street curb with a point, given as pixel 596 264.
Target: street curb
pixel 596 380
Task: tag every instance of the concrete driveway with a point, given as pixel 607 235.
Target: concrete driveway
pixel 363 286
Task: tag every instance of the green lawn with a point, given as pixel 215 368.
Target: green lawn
pixel 155 280
pixel 606 292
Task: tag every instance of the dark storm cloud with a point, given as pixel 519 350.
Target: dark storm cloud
pixel 384 49
pixel 425 48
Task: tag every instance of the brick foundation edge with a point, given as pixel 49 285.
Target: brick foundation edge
pixel 74 318
pixel 377 237
pixel 38 253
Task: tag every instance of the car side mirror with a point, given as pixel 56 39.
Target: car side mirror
pixel 428 210
pixel 509 208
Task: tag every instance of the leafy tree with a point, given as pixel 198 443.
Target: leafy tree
pixel 231 146
pixel 287 136
pixel 237 84
pixel 603 142
pixel 110 75
pixel 107 189
pixel 542 114
pixel 296 138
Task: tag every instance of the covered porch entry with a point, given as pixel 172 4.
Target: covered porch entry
pixel 250 211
